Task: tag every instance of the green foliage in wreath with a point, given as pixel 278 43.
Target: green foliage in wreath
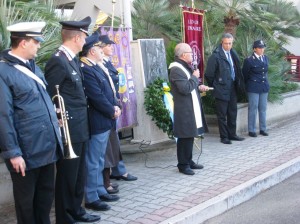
pixel 156 108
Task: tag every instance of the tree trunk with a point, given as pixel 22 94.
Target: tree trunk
pixel 231 24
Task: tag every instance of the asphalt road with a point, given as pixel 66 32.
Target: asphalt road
pixel 277 205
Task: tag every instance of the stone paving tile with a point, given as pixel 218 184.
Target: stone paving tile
pixel 163 192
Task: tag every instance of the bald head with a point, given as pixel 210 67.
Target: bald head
pixel 184 52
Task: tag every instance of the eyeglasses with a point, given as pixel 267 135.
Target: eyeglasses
pixel 189 52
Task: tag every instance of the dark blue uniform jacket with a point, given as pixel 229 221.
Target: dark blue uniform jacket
pixel 63 71
pixel 256 74
pixel 101 98
pixel 28 122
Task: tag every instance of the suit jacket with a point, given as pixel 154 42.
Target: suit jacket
pixel 218 74
pixel 100 97
pixel 63 71
pixel 256 74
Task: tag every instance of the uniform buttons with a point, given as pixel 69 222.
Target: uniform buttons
pixel 263 81
pixel 71 117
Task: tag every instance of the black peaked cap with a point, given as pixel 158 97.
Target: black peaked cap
pixel 81 25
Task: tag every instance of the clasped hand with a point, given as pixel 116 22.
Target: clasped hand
pixel 117 112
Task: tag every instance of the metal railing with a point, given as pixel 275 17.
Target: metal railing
pixel 295 67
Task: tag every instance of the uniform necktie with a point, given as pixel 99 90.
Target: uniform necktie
pixel 76 60
pixel 261 58
pixel 231 66
pixel 28 65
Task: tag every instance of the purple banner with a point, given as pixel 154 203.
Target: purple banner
pixel 122 62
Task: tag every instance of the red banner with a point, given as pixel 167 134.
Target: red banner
pixel 193 35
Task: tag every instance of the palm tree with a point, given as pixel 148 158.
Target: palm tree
pixel 13 11
pixel 154 19
pixel 271 17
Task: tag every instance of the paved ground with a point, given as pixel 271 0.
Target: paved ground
pixel 232 174
pixel 279 204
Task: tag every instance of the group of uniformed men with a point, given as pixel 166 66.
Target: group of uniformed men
pixel 31 142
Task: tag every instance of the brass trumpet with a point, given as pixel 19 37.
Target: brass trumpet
pixel 69 152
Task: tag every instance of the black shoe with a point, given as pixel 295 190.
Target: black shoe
pixel 197 166
pixel 252 134
pixel 226 141
pixel 263 133
pixel 109 197
pixel 187 171
pixel 129 177
pixel 112 190
pixel 236 138
pixel 97 206
pixel 87 218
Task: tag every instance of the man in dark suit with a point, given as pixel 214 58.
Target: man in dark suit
pixel 189 119
pixel 63 69
pixel 103 112
pixel 223 73
pixel 119 171
pixel 255 70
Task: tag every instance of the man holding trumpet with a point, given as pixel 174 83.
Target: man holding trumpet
pixel 63 70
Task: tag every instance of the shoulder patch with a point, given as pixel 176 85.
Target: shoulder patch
pixel 85 61
pixel 58 53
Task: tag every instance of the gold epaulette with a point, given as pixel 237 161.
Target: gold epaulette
pixel 86 61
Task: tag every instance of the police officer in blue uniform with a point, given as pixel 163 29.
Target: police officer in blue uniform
pixel 63 69
pixel 29 130
pixel 255 70
pixel 103 112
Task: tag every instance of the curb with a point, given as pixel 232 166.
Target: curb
pixel 236 195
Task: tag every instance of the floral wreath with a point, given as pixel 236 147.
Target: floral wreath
pixel 156 108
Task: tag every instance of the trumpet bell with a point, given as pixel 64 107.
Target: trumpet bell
pixel 69 153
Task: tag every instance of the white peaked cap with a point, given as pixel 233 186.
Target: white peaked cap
pixel 27 29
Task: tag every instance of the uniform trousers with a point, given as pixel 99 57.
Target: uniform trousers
pixel 185 152
pixel 33 194
pixel 69 189
pixel 94 186
pixel 226 113
pixel 257 102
